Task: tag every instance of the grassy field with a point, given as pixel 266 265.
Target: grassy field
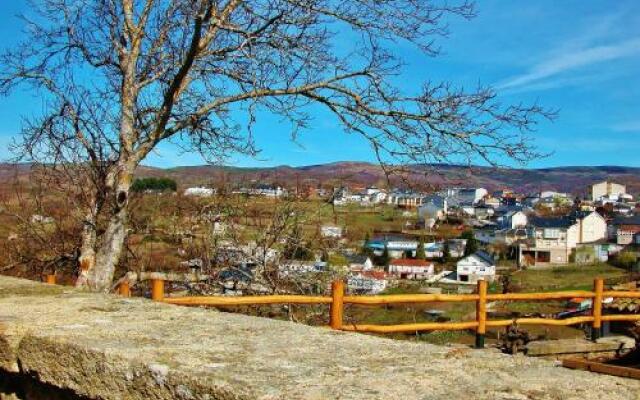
pixel 571 277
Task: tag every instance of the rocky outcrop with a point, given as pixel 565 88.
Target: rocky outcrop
pixel 106 347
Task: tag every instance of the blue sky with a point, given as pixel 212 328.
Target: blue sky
pixel 581 57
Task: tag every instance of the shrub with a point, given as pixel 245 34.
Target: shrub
pixel 157 184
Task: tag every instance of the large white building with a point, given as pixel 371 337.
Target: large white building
pixel 406 199
pixel 466 195
pixel 552 240
pixel 608 190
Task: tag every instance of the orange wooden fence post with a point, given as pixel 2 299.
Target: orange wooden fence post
pixel 596 308
pixel 157 289
pixel 50 279
pixel 481 313
pixel 124 289
pixel 337 304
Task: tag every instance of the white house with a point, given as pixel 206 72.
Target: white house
pixel 552 240
pixel 377 197
pixel 408 268
pixel 478 266
pixel 623 229
pixel 269 191
pixel 552 200
pixel 359 263
pixel 41 219
pixel 372 283
pixel 199 191
pixel 513 220
pixel 466 195
pixel 331 231
pixel 434 207
pixel 295 267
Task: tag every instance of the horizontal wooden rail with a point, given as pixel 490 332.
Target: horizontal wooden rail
pixel 621 317
pixel 376 300
pixel 405 328
pixel 337 300
pixel 540 321
pixel 246 300
pixel 541 296
pixel 409 298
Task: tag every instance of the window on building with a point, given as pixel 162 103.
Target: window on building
pixel 551 233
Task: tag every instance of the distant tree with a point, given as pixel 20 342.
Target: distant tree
pixel 155 184
pixel 296 247
pixel 366 250
pixel 446 252
pixel 204 71
pixel 384 258
pixel 420 254
pixel 472 243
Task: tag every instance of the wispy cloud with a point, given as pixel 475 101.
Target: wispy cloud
pixel 571 60
pixel 627 126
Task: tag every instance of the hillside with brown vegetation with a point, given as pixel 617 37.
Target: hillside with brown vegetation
pixel 566 179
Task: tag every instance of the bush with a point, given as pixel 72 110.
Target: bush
pixel 626 260
pixel 157 184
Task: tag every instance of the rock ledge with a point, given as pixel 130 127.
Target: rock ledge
pixel 108 347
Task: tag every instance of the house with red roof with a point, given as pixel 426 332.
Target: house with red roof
pixel 408 268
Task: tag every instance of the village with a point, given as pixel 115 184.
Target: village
pixel 397 241
pixel 261 239
pixel 459 235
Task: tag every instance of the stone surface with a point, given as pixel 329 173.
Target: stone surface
pixel 113 348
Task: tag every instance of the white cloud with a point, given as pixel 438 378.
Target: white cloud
pixel 627 126
pixel 572 60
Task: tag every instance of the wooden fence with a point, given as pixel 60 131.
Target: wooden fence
pixel 338 299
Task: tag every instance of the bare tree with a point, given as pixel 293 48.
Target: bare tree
pixel 121 76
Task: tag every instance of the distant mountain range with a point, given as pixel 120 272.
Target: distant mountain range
pixel 566 179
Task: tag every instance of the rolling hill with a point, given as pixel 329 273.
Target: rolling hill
pixel 567 179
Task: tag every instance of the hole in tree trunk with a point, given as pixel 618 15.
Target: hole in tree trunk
pixel 122 198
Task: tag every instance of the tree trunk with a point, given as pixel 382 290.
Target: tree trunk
pixel 87 258
pixel 111 242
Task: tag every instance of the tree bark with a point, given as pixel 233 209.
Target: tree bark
pixel 119 180
pixel 111 243
pixel 87 259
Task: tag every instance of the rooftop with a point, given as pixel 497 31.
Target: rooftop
pixel 630 220
pixel 410 262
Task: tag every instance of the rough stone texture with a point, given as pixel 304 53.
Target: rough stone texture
pixel 113 348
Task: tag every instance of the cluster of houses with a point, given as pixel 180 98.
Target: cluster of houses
pixel 367 197
pixel 544 229
pixel 591 229
pixel 257 190
pixel 540 230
